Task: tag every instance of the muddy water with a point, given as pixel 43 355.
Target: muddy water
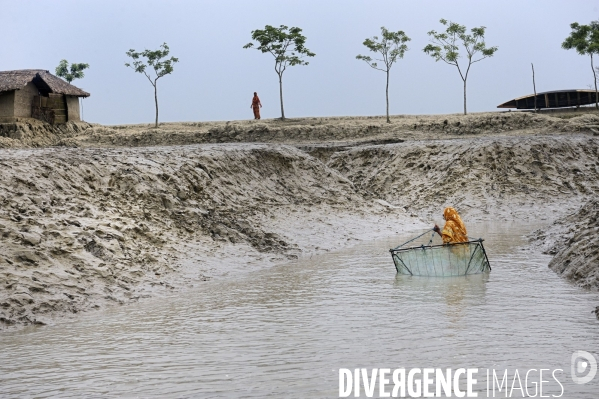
pixel 286 331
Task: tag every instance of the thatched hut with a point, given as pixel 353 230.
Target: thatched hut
pixel 36 93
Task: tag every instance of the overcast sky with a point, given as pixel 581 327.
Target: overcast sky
pixel 216 77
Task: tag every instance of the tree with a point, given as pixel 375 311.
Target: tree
pixel 585 39
pixel 391 47
pixel 69 74
pixel 287 45
pixel 445 47
pixel 155 60
pixel 75 71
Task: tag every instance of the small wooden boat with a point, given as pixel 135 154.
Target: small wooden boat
pixel 458 259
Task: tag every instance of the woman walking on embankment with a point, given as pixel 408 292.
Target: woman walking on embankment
pixel 256 105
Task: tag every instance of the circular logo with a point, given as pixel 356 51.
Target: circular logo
pixel 583 367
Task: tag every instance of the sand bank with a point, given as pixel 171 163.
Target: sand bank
pixel 337 130
pixel 85 228
pixel 574 241
pixel 130 214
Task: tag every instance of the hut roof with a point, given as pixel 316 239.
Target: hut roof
pixel 16 80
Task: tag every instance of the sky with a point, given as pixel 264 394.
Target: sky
pixel 216 77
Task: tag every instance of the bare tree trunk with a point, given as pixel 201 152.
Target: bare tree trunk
pixel 595 76
pixel 387 96
pixel 281 96
pixel 534 87
pixel 465 112
pixel 156 100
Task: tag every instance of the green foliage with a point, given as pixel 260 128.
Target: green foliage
pixel 75 71
pixel 391 46
pixel 152 59
pixel 445 46
pixel 287 45
pixel 583 38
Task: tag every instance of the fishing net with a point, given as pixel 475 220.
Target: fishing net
pixel 456 259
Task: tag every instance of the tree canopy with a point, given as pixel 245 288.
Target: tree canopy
pixel 583 38
pixel 391 46
pixel 75 71
pixel 154 60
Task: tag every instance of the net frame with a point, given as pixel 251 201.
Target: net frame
pixel 453 259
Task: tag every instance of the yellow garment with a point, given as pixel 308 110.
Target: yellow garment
pixel 454 229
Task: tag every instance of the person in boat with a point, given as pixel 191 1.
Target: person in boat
pixel 454 229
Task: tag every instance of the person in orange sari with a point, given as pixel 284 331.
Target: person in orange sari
pixel 454 229
pixel 256 105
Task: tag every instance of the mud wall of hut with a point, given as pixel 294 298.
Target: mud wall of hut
pixel 24 100
pixel 73 113
pixel 7 106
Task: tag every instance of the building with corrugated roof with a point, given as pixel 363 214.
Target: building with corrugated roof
pixel 553 99
pixel 36 93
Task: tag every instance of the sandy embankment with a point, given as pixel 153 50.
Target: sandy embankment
pixel 488 178
pixel 329 130
pixel 574 241
pixel 83 228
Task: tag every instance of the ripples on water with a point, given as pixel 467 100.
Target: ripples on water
pixel 286 331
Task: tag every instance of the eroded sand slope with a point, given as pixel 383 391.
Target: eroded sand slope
pixel 492 178
pixel 574 242
pixel 83 228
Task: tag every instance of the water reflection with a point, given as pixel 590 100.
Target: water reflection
pixel 455 294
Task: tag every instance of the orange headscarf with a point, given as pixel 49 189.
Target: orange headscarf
pixel 454 229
